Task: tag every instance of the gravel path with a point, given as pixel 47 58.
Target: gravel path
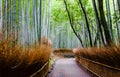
pixel 67 68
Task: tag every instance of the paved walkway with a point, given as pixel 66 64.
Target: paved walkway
pixel 67 68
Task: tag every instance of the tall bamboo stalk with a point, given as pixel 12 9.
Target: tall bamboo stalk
pixel 109 19
pixel 71 23
pixel 104 23
pixel 98 21
pixel 0 14
pixel 117 26
pixel 87 22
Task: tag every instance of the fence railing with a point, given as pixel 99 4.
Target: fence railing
pixel 40 71
pixel 99 69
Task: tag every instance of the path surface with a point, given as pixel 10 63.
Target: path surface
pixel 67 68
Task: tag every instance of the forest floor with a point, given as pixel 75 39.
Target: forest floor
pixel 67 67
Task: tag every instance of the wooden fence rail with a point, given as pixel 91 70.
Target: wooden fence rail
pixel 99 69
pixel 41 72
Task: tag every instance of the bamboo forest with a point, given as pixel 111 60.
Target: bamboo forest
pixel 59 38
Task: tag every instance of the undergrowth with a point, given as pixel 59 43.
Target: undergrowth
pixel 105 55
pixel 18 61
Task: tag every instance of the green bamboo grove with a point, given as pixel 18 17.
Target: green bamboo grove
pixel 28 20
pixel 98 20
pixel 25 18
pixel 68 23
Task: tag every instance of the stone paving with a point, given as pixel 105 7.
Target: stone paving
pixel 67 68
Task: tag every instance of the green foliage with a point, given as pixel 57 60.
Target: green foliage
pixel 58 12
pixel 51 20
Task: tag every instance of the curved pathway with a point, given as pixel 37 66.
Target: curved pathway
pixel 67 68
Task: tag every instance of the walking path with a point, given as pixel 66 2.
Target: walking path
pixel 67 68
